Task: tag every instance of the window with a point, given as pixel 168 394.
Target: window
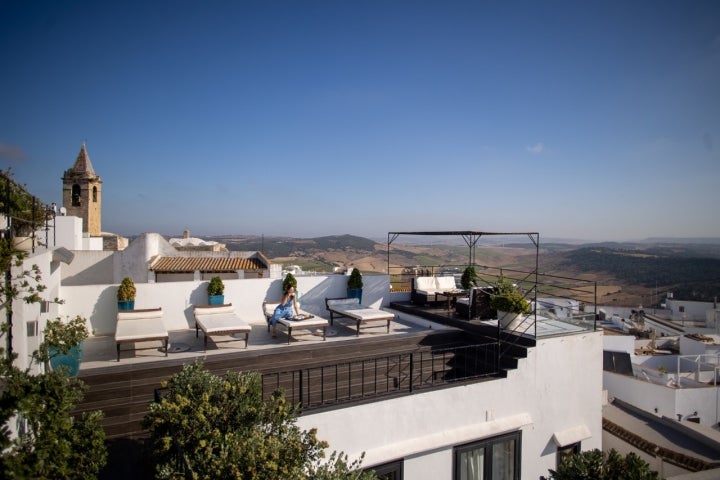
pixel 76 195
pixel 496 458
pixel 566 451
pixel 94 194
pixel 389 471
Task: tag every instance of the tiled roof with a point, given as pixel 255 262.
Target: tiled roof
pixel 205 264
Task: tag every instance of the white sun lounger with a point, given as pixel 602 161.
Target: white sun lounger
pixel 351 308
pixel 219 320
pixel 310 321
pixel 143 325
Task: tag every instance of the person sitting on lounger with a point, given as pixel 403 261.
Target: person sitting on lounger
pixel 287 309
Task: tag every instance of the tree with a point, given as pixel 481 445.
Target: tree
pixel 596 465
pixel 49 442
pixel 207 426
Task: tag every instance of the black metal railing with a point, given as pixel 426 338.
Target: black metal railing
pixel 376 377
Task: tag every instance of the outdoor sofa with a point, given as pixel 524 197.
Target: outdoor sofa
pixel 134 326
pixel 350 307
pixel 219 320
pixel 430 289
pixel 306 320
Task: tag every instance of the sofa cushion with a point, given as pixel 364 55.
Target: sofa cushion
pixel 445 283
pixel 425 284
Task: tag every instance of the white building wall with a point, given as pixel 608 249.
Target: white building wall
pixel 691 310
pixel 89 267
pixel 619 343
pixel 556 388
pixel 68 232
pixel 98 303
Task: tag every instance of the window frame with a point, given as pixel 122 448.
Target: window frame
pixel 566 451
pixel 487 445
pixel 394 467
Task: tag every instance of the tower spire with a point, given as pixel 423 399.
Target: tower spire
pixel 83 166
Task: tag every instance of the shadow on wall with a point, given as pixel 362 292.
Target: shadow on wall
pixel 98 324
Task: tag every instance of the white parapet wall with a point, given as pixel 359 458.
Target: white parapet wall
pixel 98 303
pixel 554 392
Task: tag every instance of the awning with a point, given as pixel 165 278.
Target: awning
pixel 571 435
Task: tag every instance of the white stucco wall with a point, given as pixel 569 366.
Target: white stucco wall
pixel 89 267
pixel 25 342
pixel 668 401
pixel 619 343
pixel 98 303
pixel 557 387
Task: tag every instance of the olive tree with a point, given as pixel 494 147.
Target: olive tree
pixel 597 465
pixel 219 427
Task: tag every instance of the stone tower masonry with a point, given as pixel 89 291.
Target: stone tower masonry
pixel 82 194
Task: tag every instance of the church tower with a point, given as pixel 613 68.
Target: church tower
pixel 82 193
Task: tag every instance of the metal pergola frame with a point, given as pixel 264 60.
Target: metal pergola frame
pixel 471 238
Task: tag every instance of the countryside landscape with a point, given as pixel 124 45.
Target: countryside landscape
pixel 627 274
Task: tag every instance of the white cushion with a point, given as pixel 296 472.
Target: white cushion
pixel 138 314
pixel 343 301
pixel 221 323
pixel 362 313
pixel 445 283
pixel 210 310
pixel 307 323
pixel 140 329
pixel 425 283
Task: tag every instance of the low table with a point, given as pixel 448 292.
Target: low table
pixel 452 296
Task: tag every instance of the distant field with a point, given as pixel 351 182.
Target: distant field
pixel 626 274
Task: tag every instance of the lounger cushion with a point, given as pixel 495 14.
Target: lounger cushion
pixel 363 313
pixel 138 325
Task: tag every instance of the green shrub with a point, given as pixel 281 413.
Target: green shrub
pixel 289 281
pixel 355 280
pixel 126 291
pixel 215 287
pixel 469 278
pixel 506 298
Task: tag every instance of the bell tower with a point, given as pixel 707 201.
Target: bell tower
pixel 82 193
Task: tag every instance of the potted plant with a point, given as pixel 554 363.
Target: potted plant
pixel 354 285
pixel 508 302
pixel 469 278
pixel 126 294
pixel 63 344
pixel 216 290
pixel 289 281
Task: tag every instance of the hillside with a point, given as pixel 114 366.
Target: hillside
pixel 626 273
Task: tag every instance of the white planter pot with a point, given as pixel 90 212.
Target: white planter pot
pixel 509 320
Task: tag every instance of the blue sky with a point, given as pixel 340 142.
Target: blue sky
pixel 596 120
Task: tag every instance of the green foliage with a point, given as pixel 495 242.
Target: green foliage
pixel 507 299
pixel 216 286
pixel 25 209
pixel 207 426
pixel 126 290
pixel 355 280
pixel 289 281
pixel 52 443
pixel 61 336
pixel 689 273
pixel 597 465
pixel 469 278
